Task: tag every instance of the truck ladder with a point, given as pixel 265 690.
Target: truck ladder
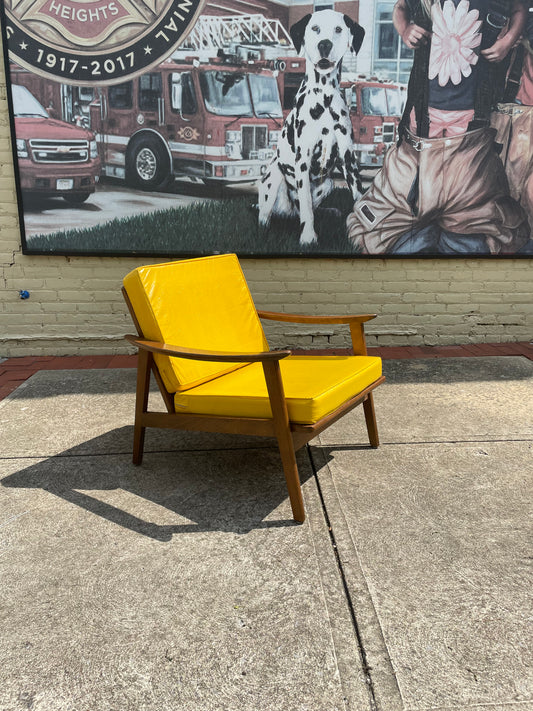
pixel 211 33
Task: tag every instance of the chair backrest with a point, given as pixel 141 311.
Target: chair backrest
pixel 201 303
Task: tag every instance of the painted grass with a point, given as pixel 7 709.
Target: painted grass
pixel 206 228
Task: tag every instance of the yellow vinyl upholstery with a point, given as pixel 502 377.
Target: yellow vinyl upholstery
pixel 200 304
pixel 314 387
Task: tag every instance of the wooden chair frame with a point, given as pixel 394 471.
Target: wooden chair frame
pixel 291 436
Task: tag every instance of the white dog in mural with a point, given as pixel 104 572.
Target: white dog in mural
pixel 317 136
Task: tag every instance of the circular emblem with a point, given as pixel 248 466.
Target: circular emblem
pixel 188 133
pixel 96 42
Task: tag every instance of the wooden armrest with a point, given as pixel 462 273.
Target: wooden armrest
pixel 300 318
pixel 219 356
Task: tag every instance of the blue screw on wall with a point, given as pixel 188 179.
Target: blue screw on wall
pixel 24 294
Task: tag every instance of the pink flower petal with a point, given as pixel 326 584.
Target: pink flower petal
pixel 469 56
pixel 448 12
pixel 439 23
pixel 444 73
pixel 455 73
pixel 470 34
pixel 471 23
pixel 461 11
pixel 473 41
pixel 466 70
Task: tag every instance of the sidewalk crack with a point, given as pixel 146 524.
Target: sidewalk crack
pixel 362 652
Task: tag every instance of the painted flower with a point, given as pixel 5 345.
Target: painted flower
pixel 456 32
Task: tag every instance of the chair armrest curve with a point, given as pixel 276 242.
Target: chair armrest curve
pixel 217 356
pixel 302 318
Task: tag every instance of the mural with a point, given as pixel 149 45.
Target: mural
pixel 178 128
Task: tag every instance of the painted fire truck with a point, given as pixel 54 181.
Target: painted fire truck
pixel 211 113
pixel 55 158
pixel 375 108
pixel 216 121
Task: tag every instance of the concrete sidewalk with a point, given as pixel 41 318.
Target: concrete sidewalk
pixel 183 584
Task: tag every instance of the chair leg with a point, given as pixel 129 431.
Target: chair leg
pixel 290 469
pixel 371 424
pixel 141 403
pixel 284 436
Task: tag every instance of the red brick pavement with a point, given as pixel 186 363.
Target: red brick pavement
pixel 15 371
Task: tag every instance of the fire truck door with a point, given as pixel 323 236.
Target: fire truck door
pixel 189 126
pixel 151 102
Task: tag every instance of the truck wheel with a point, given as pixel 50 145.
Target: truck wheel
pixel 76 198
pixel 147 165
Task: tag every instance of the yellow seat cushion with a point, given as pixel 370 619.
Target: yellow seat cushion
pixel 314 386
pixel 202 304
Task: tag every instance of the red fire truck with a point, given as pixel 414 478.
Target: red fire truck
pixel 55 158
pixel 216 121
pixel 375 108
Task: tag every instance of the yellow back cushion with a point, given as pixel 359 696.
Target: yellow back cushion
pixel 201 304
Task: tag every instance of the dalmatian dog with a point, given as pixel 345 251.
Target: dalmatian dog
pixel 317 135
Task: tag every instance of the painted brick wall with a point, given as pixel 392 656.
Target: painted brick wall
pixel 76 307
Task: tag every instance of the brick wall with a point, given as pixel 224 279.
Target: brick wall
pixel 76 307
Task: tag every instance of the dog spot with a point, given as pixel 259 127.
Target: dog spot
pixel 298 154
pixel 302 227
pixel 303 167
pixel 331 161
pixel 327 100
pixel 318 193
pixel 325 131
pixel 299 183
pixel 300 128
pixel 316 112
pixel 317 76
pixel 300 102
pixel 317 153
pixel 334 115
pixel 316 90
pixel 290 133
pixel 344 112
pixel 269 186
pixel 323 80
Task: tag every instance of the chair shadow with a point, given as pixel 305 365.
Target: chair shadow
pixel 230 489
